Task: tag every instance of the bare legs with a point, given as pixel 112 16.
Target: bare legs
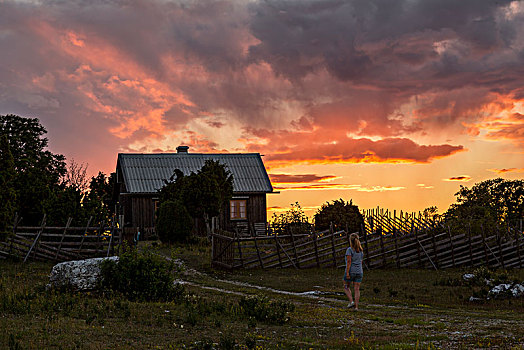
pixel 357 293
pixel 347 290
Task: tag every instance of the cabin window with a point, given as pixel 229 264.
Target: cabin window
pixel 238 209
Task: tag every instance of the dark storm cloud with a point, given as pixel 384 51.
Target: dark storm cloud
pixel 354 40
pixel 129 71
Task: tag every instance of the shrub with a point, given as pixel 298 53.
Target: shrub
pixel 343 215
pixel 294 220
pixel 141 276
pixel 174 224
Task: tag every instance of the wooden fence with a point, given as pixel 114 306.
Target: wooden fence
pixel 435 248
pixel 385 221
pixel 56 244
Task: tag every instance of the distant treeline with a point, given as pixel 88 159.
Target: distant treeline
pixel 34 181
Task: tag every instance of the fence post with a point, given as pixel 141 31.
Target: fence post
pixel 15 226
pixel 316 248
pixel 62 238
pixel 418 248
pixel 85 234
pixel 102 225
pixel 499 238
pixel 294 247
pixel 332 233
pixel 278 251
pixel 382 250
pixel 518 235
pixel 239 247
pixel 452 247
pixel 435 256
pixel 470 248
pixel 111 238
pixel 484 245
pixel 42 226
pixel 397 253
pixel 366 257
pixel 258 253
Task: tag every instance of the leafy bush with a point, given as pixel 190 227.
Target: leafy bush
pixel 141 276
pixel 174 224
pixel 294 220
pixel 265 310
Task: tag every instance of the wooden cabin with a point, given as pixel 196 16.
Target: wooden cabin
pixel 141 175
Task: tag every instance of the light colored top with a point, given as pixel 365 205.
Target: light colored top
pixel 356 262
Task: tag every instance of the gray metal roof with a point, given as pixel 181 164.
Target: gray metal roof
pixel 146 172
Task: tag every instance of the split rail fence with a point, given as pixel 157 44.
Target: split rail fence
pixel 436 248
pixel 383 221
pixel 57 244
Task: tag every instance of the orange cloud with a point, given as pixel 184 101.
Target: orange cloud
pixel 424 186
pixel 299 178
pixel 358 188
pixel 322 147
pixel 463 178
pixel 507 170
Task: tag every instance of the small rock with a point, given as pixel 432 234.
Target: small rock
pixel 468 276
pixel 506 290
pixel 517 290
pixel 475 300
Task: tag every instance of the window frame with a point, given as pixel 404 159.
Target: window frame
pixel 235 209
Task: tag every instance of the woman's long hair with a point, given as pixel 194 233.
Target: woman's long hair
pixel 354 242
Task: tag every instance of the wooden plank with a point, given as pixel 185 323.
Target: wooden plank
pixel 427 254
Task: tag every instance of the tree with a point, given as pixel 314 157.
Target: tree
pixel 494 201
pixel 76 176
pixel 37 170
pixel 7 181
pixel 174 224
pixel 342 214
pixel 99 202
pixel 64 202
pixel 204 194
pixel 430 213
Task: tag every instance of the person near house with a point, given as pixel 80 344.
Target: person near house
pixel 354 271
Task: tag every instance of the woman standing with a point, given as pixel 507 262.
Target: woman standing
pixel 354 271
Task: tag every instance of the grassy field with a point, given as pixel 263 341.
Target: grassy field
pixel 399 309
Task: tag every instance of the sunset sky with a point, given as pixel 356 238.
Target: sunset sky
pixel 388 103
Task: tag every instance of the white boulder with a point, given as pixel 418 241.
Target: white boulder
pixel 79 274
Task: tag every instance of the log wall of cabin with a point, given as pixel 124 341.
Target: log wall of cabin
pixel 143 211
pixel 256 213
pixel 256 208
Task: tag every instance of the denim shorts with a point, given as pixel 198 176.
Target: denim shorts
pixel 354 277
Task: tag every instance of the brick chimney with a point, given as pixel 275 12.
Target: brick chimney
pixel 182 149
